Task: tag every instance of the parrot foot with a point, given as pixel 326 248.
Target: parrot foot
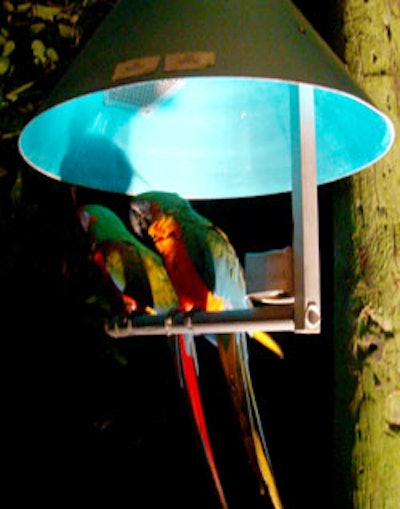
pixel 188 317
pixel 132 308
pixel 130 304
pixel 169 320
pixel 172 313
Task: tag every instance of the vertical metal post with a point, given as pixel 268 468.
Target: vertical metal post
pixel 305 210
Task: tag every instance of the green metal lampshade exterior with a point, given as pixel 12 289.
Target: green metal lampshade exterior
pixel 194 97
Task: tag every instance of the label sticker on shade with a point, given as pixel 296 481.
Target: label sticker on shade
pixel 135 67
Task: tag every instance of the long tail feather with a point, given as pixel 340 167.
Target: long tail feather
pixel 267 341
pixel 188 367
pixel 262 454
pixel 234 359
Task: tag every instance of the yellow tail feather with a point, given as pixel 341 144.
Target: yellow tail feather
pixel 266 472
pixel 267 341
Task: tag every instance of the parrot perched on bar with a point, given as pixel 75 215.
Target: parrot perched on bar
pixel 207 275
pixel 138 276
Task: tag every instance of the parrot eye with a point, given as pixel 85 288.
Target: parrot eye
pixel 140 217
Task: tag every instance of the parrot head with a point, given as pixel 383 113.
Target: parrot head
pixel 140 216
pixel 101 223
pixel 152 206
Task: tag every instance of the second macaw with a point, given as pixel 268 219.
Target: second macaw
pixel 137 275
pixel 206 273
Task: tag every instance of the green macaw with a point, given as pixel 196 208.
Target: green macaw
pixel 137 275
pixel 207 275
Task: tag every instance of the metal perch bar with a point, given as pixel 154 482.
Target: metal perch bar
pixel 273 318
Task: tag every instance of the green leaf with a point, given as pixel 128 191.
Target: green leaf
pixel 45 12
pixel 9 47
pixel 52 55
pixel 25 7
pixel 38 27
pixel 39 51
pixel 13 94
pixel 4 65
pixel 66 31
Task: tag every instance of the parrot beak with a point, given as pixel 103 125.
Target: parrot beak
pixel 85 220
pixel 140 217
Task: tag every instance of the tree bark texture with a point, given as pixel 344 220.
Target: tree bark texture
pixel 367 278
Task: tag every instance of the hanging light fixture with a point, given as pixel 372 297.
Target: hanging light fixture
pixel 211 100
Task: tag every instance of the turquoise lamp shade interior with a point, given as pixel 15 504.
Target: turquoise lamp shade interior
pixel 201 107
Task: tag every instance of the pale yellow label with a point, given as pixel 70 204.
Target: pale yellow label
pixel 135 67
pixel 189 60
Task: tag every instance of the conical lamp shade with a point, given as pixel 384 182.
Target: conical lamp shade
pixel 193 97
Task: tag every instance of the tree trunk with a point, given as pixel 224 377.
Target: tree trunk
pixel 367 278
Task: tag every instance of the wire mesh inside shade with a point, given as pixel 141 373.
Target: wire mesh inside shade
pixel 144 95
pixel 204 137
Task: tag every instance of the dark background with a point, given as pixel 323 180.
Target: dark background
pixel 90 420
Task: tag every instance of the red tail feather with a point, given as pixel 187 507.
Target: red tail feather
pixel 192 388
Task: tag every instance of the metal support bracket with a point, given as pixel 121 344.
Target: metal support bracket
pixel 307 315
